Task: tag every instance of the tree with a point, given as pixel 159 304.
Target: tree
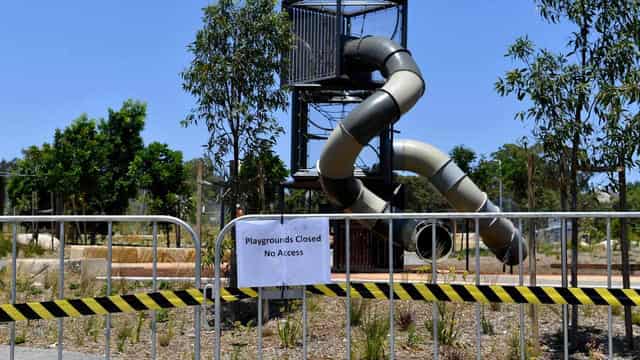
pixel 236 56
pixel 617 53
pixel 120 140
pixel 463 157
pixel 160 171
pixel 562 90
pixel 421 195
pixel 5 171
pixel 86 167
pixel 261 174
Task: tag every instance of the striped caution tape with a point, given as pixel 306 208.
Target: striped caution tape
pixel 402 291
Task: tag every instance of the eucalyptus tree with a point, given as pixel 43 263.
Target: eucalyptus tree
pixel 161 172
pixel 236 57
pixel 617 52
pixel 563 90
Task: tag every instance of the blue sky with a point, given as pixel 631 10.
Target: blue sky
pixel 61 59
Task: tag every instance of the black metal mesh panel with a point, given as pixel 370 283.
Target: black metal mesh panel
pixel 313 56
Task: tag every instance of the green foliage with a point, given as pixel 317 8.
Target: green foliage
pixel 120 140
pixel 123 334
pixel 635 318
pixel 32 250
pixel 487 326
pixel 288 332
pixel 5 245
pixel 140 318
pixel 413 338
pixel 86 166
pixel 463 157
pixel 164 339
pixel 232 75
pixel 421 195
pixel 160 171
pixel 358 309
pixel 374 337
pixel 162 315
pixel 448 331
pixel 260 176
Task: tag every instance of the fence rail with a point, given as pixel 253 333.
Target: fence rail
pixel 563 295
pixel 109 220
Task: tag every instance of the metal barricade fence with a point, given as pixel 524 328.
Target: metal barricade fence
pixel 109 220
pixel 519 217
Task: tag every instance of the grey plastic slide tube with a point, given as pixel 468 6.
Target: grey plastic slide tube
pixel 403 88
pixel 499 234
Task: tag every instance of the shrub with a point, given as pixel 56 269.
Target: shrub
pixel 448 331
pixel 288 332
pixel 32 250
pixel 616 310
pixel 92 327
pixel 374 337
pixel 405 319
pixel 139 323
pixel 21 338
pixel 487 327
pixel 122 335
pixel 357 310
pixel 513 350
pixel 413 339
pixel 313 303
pixel 164 339
pixel 162 315
pixel 635 318
pixel 5 245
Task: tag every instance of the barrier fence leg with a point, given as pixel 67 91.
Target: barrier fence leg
pixel 61 289
pixel 565 308
pixel 477 305
pixel 107 329
pixel 434 280
pixel 260 323
pixel 392 343
pixel 523 347
pixel 609 312
pixel 14 269
pixel 154 279
pixel 304 323
pixel 347 251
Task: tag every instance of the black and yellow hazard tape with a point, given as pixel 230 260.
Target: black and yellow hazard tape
pixel 369 290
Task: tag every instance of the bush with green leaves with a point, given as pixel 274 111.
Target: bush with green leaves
pixel 124 333
pixel 487 326
pixel 5 245
pixel 373 342
pixel 447 331
pixel 289 331
pixel 358 308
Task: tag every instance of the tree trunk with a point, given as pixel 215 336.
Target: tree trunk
pixel 575 144
pixel 531 203
pixel 574 232
pixel 233 281
pixel 624 247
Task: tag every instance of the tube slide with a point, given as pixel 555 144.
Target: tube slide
pixel 403 88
